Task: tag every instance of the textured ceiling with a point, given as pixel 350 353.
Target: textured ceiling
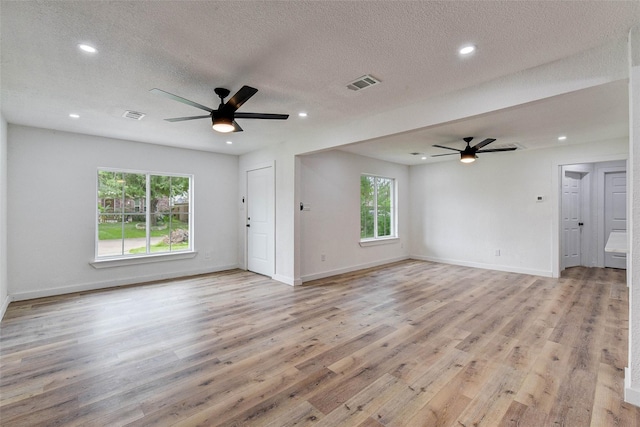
pixel 300 55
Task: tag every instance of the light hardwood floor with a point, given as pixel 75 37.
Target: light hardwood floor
pixel 408 344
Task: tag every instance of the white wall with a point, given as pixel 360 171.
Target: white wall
pixel 330 186
pixel 462 214
pixel 52 194
pixel 632 374
pixel 597 66
pixel 4 292
pixel 284 162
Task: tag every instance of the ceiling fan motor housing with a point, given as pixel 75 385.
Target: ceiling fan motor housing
pixel 222 92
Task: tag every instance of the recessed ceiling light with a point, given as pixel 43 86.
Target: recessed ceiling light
pixel 466 50
pixel 74 116
pixel 87 48
pixel 302 114
pixel 424 157
pixel 229 142
pixel 562 138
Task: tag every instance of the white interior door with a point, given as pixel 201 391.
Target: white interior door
pixel 260 221
pixel 571 219
pixel 615 213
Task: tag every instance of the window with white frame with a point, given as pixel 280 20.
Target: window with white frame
pixel 141 213
pixel 377 207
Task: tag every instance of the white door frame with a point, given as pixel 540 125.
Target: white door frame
pixel 600 176
pixel 556 220
pixel 246 201
pixel 583 207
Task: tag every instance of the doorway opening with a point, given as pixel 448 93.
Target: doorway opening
pixel 592 205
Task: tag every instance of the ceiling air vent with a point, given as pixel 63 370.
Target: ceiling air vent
pixel 363 82
pixel 133 115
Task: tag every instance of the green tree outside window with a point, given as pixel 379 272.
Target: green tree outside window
pixel 376 207
pixel 127 201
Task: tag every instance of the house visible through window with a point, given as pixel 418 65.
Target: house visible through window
pixel 142 213
pixel 377 206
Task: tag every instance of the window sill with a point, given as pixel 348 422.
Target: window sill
pixel 147 259
pixel 376 242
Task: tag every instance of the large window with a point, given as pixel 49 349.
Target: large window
pixel 377 206
pixel 142 214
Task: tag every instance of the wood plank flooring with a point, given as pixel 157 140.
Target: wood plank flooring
pixel 408 344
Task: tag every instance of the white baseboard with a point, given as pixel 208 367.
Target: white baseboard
pixel 506 268
pixel 631 395
pixel 349 269
pixel 286 280
pixel 5 304
pixel 20 296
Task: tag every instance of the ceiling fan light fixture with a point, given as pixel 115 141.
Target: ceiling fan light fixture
pixel 223 125
pixel 467 157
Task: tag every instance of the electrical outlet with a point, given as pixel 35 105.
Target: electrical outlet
pixel 323 258
pixel 497 252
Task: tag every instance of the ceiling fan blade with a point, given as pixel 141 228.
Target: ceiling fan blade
pixel 240 98
pixel 261 116
pixel 497 149
pixel 236 126
pixel 438 155
pixel 479 145
pixel 179 99
pixel 448 148
pixel 182 119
